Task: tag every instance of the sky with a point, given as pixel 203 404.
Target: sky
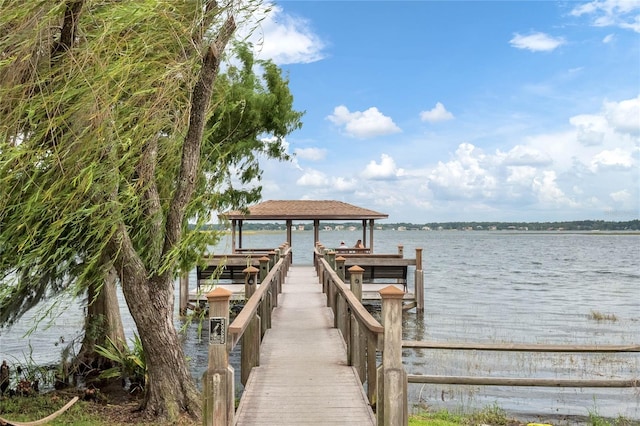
pixel 437 111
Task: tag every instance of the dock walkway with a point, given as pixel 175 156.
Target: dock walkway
pixel 303 377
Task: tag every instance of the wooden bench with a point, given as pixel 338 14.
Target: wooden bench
pixel 258 252
pixel 383 269
pixel 225 269
pixel 352 250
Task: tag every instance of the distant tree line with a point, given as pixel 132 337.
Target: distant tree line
pixel 578 225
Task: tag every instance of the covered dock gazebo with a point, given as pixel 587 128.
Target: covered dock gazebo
pixel 303 210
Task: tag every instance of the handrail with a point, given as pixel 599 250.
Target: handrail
pixel 515 347
pixel 218 379
pixel 521 381
pixel 242 320
pixel 358 309
pixel 361 332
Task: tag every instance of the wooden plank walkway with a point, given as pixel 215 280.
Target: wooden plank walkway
pixel 303 377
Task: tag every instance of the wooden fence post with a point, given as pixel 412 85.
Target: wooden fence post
pixel 218 407
pixel 250 350
pixel 330 255
pixel 392 407
pixel 340 266
pixel 419 282
pixel 268 300
pixel 272 259
pixel 358 345
pixel 264 267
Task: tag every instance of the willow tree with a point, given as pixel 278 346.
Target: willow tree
pixel 103 106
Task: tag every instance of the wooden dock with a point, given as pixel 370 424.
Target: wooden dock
pixel 303 377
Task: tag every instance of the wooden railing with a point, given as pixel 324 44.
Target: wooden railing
pixel 359 329
pixel 392 380
pixel 522 381
pixel 222 268
pixel 378 268
pixel 249 326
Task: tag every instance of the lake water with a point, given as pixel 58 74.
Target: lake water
pixel 515 287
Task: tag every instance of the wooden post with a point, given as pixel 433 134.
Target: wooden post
pixel 233 235
pixel 371 222
pixel 330 255
pixel 372 377
pixel 356 281
pixel 289 226
pixel 250 351
pixel 392 407
pixel 401 250
pixel 340 266
pixel 218 407
pixel 264 267
pixel 184 292
pixel 419 282
pixel 272 259
pixel 358 343
pixel 267 302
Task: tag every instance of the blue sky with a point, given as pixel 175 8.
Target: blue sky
pixel 475 110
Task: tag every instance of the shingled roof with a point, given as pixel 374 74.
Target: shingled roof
pixel 305 210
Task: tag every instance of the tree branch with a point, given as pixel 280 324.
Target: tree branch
pixel 200 102
pixel 69 27
pixel 145 170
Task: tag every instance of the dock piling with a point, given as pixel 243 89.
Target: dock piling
pixel 218 407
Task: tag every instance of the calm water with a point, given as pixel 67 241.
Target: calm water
pixel 480 287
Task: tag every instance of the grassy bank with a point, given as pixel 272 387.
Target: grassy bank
pixel 119 410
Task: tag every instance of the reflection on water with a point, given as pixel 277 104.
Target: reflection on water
pixel 479 287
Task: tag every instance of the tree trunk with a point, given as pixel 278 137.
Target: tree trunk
pixel 170 389
pixel 103 320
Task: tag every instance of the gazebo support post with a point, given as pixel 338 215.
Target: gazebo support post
pixel 316 231
pixel 289 226
pixel 233 235
pixel 371 221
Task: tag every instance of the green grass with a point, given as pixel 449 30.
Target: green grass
pixel 438 418
pixel 26 409
pixel 491 415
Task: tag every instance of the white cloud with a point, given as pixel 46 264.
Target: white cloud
pixel 608 38
pixel 536 42
pixel 283 38
pixel 311 154
pixel 521 155
pixel 616 159
pixel 521 175
pixel 624 116
pixel 345 185
pixel 605 13
pixel 438 113
pixel 386 169
pixel 313 178
pixel 590 129
pixel 548 192
pixel 362 125
pixel 620 196
pixel 464 177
